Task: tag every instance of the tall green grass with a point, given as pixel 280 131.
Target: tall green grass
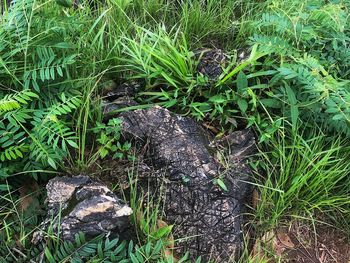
pixel 306 174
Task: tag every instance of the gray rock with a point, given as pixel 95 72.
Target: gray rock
pixel 84 205
pixel 181 149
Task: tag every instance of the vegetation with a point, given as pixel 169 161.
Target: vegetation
pixel 292 88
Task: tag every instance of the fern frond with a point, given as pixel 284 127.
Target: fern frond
pixel 55 133
pixel 13 101
pixel 50 66
pixel 14 152
pixel 99 249
pixel 65 106
pixel 331 17
pixel 280 22
pixel 273 44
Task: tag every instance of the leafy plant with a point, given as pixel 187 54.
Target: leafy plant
pixel 34 125
pixel 109 139
pixel 310 54
pixel 103 249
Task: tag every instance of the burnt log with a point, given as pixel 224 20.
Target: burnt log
pixel 210 216
pixel 211 62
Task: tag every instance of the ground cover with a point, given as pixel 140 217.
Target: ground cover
pixel 276 67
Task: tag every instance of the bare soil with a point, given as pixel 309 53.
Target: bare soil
pixel 301 244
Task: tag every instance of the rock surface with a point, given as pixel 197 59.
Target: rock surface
pixel 85 205
pixel 201 210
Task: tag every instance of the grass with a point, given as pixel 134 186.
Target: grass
pixel 292 89
pixel 163 58
pixel 303 174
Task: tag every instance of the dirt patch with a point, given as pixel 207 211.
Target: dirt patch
pixel 302 244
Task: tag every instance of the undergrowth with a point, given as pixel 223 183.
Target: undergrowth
pixel 291 87
pixel 306 172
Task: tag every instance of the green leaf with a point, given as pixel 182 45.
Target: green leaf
pixel 130 246
pixel 120 248
pixel 133 258
pixel 100 250
pixel 59 71
pixel 243 105
pixel 148 249
pixel 110 244
pixel 221 184
pixel 63 45
pixel 73 144
pixel 242 82
pixel 337 117
pixel 291 95
pixel 18 152
pixel 49 256
pixel 162 232
pixel 294 112
pixel 52 163
pixel 13 155
pixel 218 99
pixel 7 155
pixel 5 187
pixel 42 74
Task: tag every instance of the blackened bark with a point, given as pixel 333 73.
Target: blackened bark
pixel 210 216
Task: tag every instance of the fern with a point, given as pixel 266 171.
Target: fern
pixel 13 101
pixel 48 68
pixel 33 60
pixel 81 250
pixel 273 44
pixel 14 152
pixel 312 54
pixel 102 249
pixel 48 139
pixel 64 106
